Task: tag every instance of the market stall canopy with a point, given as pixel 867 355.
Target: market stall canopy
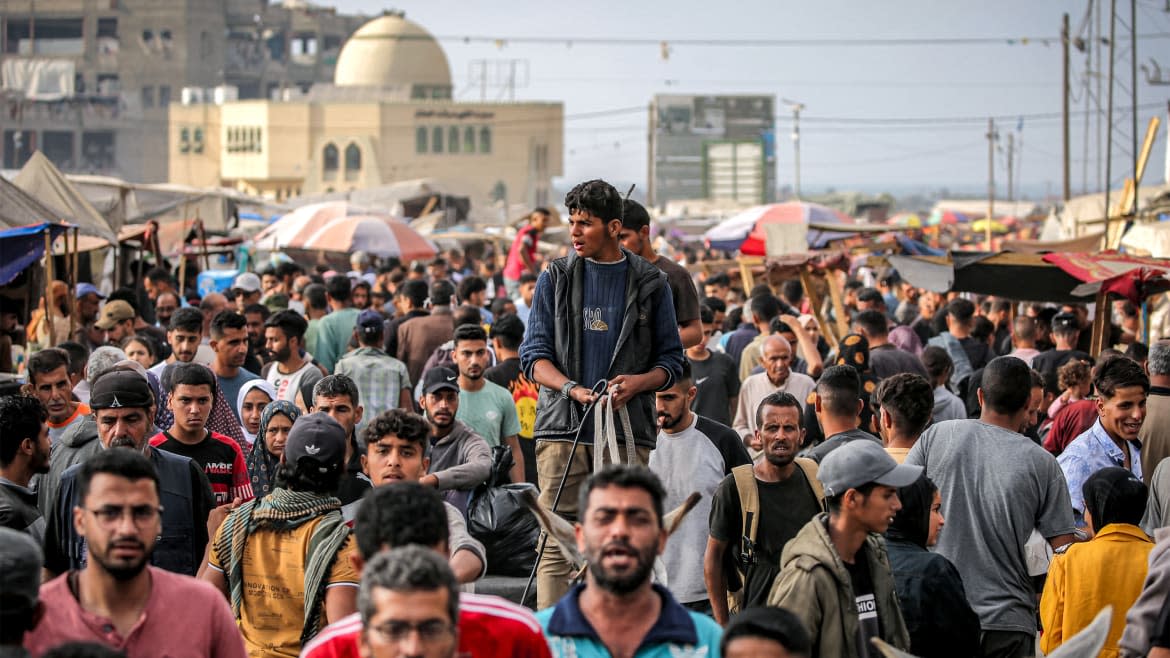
pixel 978 207
pixel 745 230
pixel 1023 277
pixel 1090 208
pixel 24 245
pixel 303 221
pixel 1131 277
pixel 43 181
pixel 18 208
pixel 1090 242
pixel 1147 239
pixel 378 235
pixel 409 198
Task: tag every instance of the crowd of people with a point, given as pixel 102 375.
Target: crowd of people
pixel 290 466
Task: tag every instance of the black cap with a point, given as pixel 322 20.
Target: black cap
pixel 319 438
pixel 121 388
pixel 440 378
pixel 1065 322
pixel 370 321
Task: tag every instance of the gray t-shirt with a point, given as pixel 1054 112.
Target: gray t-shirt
pixel 997 486
pixel 695 459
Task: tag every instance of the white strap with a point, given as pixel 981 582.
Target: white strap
pixel 605 434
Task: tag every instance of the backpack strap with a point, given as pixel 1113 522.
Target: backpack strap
pixel 810 468
pixel 749 502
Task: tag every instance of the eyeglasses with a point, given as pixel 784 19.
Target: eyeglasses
pixel 429 631
pixel 140 514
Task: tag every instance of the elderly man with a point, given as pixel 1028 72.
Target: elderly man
pixel 777 376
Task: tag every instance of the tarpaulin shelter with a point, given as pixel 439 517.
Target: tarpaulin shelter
pixel 43 181
pixel 18 208
pixel 24 245
pixel 745 230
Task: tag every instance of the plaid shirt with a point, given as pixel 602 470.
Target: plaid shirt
pixel 380 378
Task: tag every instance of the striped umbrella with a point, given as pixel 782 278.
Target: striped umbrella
pixel 745 231
pixel 303 221
pixel 379 235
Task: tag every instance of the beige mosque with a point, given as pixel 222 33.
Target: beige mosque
pixel 388 116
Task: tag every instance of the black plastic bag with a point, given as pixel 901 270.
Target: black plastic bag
pixel 497 517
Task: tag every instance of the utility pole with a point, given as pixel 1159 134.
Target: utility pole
pixel 1133 90
pixel 1109 120
pixel 1011 156
pixel 1066 190
pixel 796 108
pixel 991 137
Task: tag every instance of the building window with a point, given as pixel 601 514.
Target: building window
pixel 147 97
pixel 469 140
pixel 353 162
pixel 437 140
pixel 184 140
pixel 164 96
pixel 97 150
pixel 500 192
pixel 485 139
pixel 420 140
pixel 329 158
pixel 197 141
pixel 453 139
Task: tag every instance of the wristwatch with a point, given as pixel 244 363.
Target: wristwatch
pixel 567 388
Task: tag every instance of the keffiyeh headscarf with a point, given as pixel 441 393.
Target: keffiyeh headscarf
pixel 262 463
pixel 248 386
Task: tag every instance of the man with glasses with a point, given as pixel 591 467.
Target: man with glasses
pixel 409 605
pixel 117 599
pixel 123 407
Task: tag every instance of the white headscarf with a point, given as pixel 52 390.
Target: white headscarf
pixel 261 384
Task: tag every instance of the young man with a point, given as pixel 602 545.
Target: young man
pixel 305 561
pixel 635 237
pixel 123 405
pixel 968 354
pixel 787 495
pixel 1065 333
pixel 185 336
pixel 598 314
pixel 382 380
pixel 838 407
pixel 48 375
pixel 618 609
pixel 338 397
pixel 473 292
pixel 527 293
pixel 191 396
pixel 246 290
pixel 335 329
pixel 117 321
pixel 461 460
pixel 1023 339
pixel 522 255
pixel 164 307
pixel 777 376
pixel 229 339
pixel 765 633
pixel 118 600
pixel 418 338
pixel 885 360
pixel 996 487
pixel 255 315
pixel 507 335
pixel 292 367
pixel 835 574
pixel 396 447
pixel 694 454
pixel 24 452
pixel 717 285
pixel 486 408
pixel 1155 432
pixel 716 376
pixel 906 403
pixel 1122 387
pixel 316 308
pixel 411 302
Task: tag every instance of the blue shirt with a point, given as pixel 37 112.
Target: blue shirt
pixel 1090 452
pixel 677 632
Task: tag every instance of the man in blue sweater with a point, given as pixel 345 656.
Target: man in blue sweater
pixel 601 314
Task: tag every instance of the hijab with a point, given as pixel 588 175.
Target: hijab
pixel 912 523
pixel 1114 495
pixel 261 384
pixel 262 463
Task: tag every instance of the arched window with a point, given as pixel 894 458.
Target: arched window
pixel 453 140
pixel 437 140
pixel 420 140
pixel 500 192
pixel 329 161
pixel 469 140
pixel 353 162
pixel 485 139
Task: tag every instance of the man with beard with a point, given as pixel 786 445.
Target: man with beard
pixel 777 377
pixel 291 368
pixel 484 406
pixel 164 308
pixel 618 609
pixel 185 336
pixel 694 454
pixel 123 407
pixel 786 495
pixel 255 315
pixel 48 373
pixel 229 339
pixel 117 599
pixel 338 397
pixel 460 459
pixel 24 452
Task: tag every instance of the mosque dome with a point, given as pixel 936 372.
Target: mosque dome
pixel 390 51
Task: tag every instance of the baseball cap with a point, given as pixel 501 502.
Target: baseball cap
pixel 113 313
pixel 1065 322
pixel 247 282
pixel 20 566
pixel 318 438
pixel 370 321
pixel 440 378
pixel 121 388
pixel 84 289
pixel 860 462
pixel 277 302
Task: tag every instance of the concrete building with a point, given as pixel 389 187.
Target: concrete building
pixel 90 83
pixel 388 116
pixel 718 148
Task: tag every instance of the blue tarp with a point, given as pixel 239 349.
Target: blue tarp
pixel 916 248
pixel 23 246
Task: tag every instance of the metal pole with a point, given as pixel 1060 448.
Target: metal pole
pixel 1109 123
pixel 990 179
pixel 1133 90
pixel 1067 176
pixel 49 285
pixel 796 144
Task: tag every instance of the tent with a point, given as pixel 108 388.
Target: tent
pixel 18 208
pixel 43 181
pixel 24 245
pixel 1152 239
pixel 745 230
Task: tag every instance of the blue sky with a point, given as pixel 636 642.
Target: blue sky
pixel 866 82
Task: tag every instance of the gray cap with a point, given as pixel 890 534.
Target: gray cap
pixel 860 462
pixel 20 565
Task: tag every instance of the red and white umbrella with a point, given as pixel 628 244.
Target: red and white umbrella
pixel 378 235
pixel 303 221
pixel 745 231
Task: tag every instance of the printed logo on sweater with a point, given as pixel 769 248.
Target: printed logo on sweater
pixel 593 321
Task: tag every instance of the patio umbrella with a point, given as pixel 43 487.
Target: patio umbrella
pixel 745 231
pixel 947 217
pixel 980 226
pixel 379 235
pixel 303 221
pixel 905 219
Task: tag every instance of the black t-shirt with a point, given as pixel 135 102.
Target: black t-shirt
pixel 214 455
pixel 868 625
pixel 508 374
pixel 785 507
pixel 717 381
pixel 978 352
pixel 1047 363
pixel 682 289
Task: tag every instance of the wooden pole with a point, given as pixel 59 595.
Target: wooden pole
pixel 838 303
pixel 814 300
pixel 1066 188
pixel 1100 324
pixel 73 266
pixel 49 285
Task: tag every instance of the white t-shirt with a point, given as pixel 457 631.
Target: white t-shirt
pixel 287 385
